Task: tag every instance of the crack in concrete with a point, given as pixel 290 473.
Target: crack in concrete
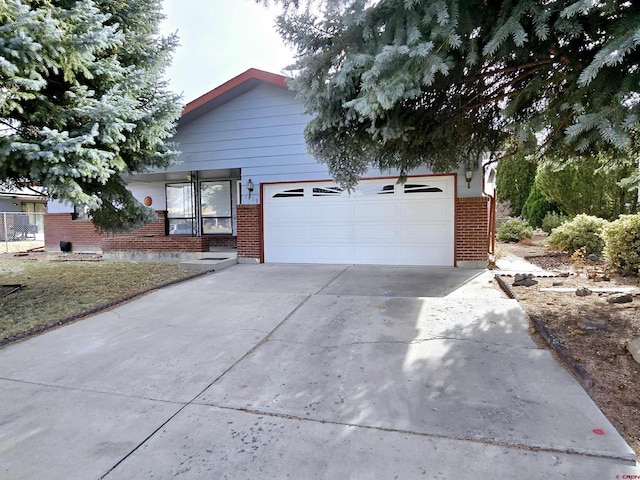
pixel 333 279
pixel 482 441
pixel 91 390
pixel 415 341
pixel 193 400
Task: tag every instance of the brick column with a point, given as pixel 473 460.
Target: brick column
pixel 249 229
pixel 472 238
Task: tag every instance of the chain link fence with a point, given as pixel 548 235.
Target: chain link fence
pixel 21 231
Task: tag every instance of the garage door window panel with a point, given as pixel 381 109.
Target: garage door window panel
pixel 420 188
pixel 327 191
pixel 376 189
pixel 291 193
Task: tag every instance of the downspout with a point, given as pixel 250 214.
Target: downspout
pixel 491 230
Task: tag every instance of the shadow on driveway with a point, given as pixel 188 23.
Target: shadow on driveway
pixel 302 371
pixel 400 281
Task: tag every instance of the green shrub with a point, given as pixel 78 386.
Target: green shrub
pixel 622 243
pixel 513 231
pixel 537 207
pixel 584 231
pixel 553 220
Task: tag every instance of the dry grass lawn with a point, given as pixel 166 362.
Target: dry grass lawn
pixel 56 290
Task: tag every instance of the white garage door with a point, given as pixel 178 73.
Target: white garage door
pixel 380 222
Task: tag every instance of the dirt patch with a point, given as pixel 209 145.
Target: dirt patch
pixel 43 256
pixel 593 332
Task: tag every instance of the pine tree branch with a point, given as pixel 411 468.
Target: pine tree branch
pixel 8 124
pixel 501 93
pixel 491 73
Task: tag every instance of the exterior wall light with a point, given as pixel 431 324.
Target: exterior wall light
pixel 249 186
pixel 468 176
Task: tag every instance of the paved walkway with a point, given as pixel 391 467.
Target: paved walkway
pixel 304 372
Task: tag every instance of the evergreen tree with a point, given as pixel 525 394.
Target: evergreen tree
pixel 402 83
pixel 593 186
pixel 515 177
pixel 83 103
pixel 537 207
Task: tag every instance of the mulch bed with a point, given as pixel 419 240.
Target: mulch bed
pixel 587 334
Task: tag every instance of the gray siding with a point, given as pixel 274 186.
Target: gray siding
pixel 261 132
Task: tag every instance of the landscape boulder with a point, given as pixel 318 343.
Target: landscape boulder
pixel 623 298
pixel 524 280
pixel 583 292
pixel 587 323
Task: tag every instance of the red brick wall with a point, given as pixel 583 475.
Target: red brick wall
pixel 150 238
pixel 222 241
pixel 249 231
pixel 471 234
pixel 472 220
pixel 81 233
pixel 155 244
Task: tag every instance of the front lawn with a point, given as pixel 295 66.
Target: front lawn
pixel 53 291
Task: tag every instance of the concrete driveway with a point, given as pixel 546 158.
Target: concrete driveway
pixel 302 372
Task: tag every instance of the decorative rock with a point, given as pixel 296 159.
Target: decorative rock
pixel 593 257
pixel 558 283
pixel 524 280
pixel 590 323
pixel 624 298
pixel 634 349
pixel 583 292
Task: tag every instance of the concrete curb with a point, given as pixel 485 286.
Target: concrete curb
pixel 50 326
pixel 506 288
pixel 553 342
pixel 563 354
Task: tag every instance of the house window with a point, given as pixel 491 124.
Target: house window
pixel 33 207
pixel 215 207
pixel 35 212
pixel 180 209
pixel 81 212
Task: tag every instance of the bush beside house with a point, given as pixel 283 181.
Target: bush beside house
pixel 584 231
pixel 622 243
pixel 514 230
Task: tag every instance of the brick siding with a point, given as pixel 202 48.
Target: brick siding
pixel 472 220
pixel 222 241
pixel 249 231
pixel 149 238
pixel 60 227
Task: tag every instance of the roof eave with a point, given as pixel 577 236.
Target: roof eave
pixel 230 90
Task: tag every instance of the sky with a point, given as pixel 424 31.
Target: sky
pixel 220 39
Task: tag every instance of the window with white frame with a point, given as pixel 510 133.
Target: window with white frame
pixel 200 208
pixel 215 207
pixel 180 209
